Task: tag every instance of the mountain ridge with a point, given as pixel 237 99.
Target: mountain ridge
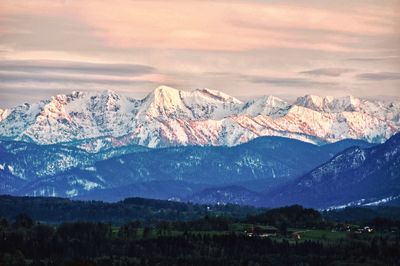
pixel 171 117
pixel 355 176
pixel 64 170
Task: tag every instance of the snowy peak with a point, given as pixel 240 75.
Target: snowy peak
pixel 386 111
pixel 329 103
pixel 266 105
pixel 162 102
pixel 218 96
pixel 347 103
pixel 310 101
pixel 167 102
pixel 314 102
pixel 74 116
pixel 165 94
pixel 70 105
pixel 274 101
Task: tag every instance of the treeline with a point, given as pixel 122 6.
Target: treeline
pixel 293 216
pixel 362 215
pixel 25 242
pixel 56 210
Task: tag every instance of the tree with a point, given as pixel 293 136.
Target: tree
pixel 283 228
pixel 129 230
pixel 16 259
pixel 23 220
pixel 3 224
pixel 147 232
pixel 163 228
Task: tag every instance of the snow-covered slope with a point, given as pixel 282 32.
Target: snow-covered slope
pixel 171 117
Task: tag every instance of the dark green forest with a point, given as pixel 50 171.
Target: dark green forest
pixel 44 231
pixel 56 210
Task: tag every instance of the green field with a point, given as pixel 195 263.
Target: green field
pixel 322 235
pixel 240 228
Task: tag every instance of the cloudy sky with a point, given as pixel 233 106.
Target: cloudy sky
pixel 245 48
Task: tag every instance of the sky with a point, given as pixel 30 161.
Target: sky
pixel 245 48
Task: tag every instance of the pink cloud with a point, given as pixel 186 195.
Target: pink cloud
pixel 207 25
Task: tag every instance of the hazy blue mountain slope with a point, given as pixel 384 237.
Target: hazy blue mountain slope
pixel 9 184
pixel 341 145
pixel 31 161
pixel 223 195
pixel 64 170
pixel 272 160
pixel 169 189
pixel 355 176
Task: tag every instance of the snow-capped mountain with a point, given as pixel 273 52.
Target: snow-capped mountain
pixel 171 117
pixel 70 117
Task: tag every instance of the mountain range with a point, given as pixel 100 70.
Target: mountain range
pixel 252 173
pixel 170 117
pixel 72 171
pixel 203 146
